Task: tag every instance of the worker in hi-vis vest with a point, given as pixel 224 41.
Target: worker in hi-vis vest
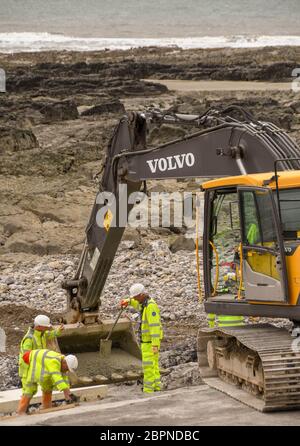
pixel 36 337
pixel 151 334
pixel 48 369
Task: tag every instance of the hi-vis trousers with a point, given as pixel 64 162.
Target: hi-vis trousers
pixel 150 368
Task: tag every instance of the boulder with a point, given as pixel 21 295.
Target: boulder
pixel 16 139
pixel 55 111
pixel 113 106
pixel 181 243
pixel 132 235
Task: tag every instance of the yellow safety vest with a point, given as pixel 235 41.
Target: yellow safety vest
pixel 228 321
pixel 211 317
pixel 34 340
pixel 151 327
pixel 221 320
pixel 253 234
pixel 45 369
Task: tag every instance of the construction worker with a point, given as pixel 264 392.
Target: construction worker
pixel 36 338
pixel 253 234
pixel 222 320
pixel 48 369
pixel 211 319
pixel 151 334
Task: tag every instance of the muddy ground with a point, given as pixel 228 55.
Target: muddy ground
pixel 55 122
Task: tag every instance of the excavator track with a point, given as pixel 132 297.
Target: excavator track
pixel 256 364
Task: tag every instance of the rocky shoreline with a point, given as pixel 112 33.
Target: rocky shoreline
pixel 55 122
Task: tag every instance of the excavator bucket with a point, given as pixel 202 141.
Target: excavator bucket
pixel 122 364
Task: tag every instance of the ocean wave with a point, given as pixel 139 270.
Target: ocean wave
pixel 26 42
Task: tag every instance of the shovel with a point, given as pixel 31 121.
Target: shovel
pixel 106 344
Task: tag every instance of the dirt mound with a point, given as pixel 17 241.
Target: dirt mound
pixel 15 320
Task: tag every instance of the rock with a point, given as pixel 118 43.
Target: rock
pixel 132 235
pixel 295 106
pixel 56 111
pixel 56 265
pixel 165 133
pixel 69 270
pixel 8 280
pixel 15 140
pixel 117 377
pixel 182 243
pixel 4 288
pixel 182 375
pixel 48 276
pixel 114 106
pixel 161 231
pixel 101 379
pixel 59 278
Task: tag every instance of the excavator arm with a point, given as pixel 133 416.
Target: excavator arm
pixel 222 146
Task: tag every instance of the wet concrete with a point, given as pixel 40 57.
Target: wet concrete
pixel 199 405
pixel 119 361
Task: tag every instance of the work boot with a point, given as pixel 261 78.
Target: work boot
pixel 23 405
pixel 46 400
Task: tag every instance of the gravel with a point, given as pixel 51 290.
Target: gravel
pixel 169 278
pixel 9 378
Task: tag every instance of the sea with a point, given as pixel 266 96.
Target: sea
pixel 83 25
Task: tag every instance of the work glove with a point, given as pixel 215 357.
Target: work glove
pixel 124 303
pixel 73 399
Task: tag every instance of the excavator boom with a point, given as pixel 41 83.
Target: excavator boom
pixel 221 145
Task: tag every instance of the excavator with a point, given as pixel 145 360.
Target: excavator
pixel 251 251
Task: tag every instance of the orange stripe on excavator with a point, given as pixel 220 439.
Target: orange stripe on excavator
pixel 287 179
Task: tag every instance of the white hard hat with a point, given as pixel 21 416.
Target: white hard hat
pixel 42 321
pixel 72 362
pixel 136 289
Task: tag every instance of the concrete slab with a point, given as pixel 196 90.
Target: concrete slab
pixel 236 393
pixel 9 399
pixel 191 406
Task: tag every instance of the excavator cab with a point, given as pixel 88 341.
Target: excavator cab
pixel 263 252
pixel 257 358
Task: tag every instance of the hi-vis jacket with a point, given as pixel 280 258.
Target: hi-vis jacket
pixel 45 369
pixel 151 328
pixel 34 340
pixel 221 320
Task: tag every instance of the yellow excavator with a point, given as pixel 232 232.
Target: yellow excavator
pixel 251 251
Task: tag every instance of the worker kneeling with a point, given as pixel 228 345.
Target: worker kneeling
pixel 151 334
pixel 48 369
